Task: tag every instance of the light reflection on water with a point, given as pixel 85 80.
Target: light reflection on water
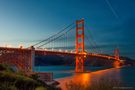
pixel 94 76
pixel 107 75
pixel 63 71
pixel 65 74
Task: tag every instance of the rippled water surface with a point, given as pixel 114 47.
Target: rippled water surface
pixel 65 74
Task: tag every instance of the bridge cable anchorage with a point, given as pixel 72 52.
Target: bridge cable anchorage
pixel 57 37
pixel 54 34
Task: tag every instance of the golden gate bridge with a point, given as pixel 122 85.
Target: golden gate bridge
pixel 24 58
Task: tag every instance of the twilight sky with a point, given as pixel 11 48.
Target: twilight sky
pixel 112 22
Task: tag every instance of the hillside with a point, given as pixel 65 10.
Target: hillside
pixel 11 80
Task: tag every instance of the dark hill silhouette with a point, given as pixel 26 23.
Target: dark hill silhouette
pixel 70 61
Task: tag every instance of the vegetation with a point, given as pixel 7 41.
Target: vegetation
pixel 11 80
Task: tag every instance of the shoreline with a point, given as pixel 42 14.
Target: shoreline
pixel 88 72
pixel 88 77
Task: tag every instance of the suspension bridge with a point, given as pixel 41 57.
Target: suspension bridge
pixel 57 44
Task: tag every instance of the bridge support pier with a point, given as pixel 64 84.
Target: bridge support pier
pixel 116 64
pixel 116 54
pixel 117 58
pixel 79 64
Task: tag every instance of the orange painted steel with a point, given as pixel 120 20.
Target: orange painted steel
pixel 23 58
pixel 80 46
pixel 116 54
pixel 117 58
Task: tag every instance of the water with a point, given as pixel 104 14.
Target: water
pixel 63 71
pixel 127 75
pixel 124 75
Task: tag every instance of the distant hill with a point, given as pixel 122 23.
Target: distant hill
pixel 70 60
pixel 128 61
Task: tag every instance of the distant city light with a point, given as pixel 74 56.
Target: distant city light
pixel 60 50
pixel 45 48
pixel 66 50
pixel 71 51
pixel 9 45
pixel 20 46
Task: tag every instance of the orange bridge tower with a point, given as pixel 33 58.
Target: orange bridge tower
pixel 80 46
pixel 116 54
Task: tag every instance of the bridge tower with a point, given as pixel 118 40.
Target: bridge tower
pixel 116 54
pixel 117 63
pixel 80 45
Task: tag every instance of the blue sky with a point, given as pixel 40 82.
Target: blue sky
pixel 112 22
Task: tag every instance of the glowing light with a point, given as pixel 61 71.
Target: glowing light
pixel 7 45
pixel 86 78
pixel 66 50
pixel 60 50
pixel 20 46
pixel 45 49
pixel 116 64
pixel 71 51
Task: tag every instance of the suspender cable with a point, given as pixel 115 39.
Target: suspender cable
pixel 56 37
pixel 54 34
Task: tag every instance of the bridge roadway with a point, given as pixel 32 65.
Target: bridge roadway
pixel 5 50
pixel 50 52
pixel 24 58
